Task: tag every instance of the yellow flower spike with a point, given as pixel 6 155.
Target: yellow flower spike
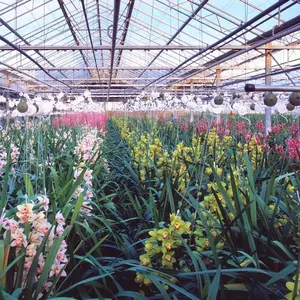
pixel 290 188
pixel 177 226
pixel 208 171
pixel 168 260
pixel 145 260
pixel 157 249
pixel 153 233
pixel 148 246
pixel 173 280
pixel 169 246
pixel 219 171
pixel 139 278
pixel 147 281
pixel 207 244
pixel 163 234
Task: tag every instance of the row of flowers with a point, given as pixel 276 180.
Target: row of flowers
pixel 46 173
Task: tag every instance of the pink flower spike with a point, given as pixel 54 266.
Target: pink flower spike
pixel 60 218
pixel 60 229
pixel 44 201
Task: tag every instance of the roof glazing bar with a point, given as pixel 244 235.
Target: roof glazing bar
pixel 124 33
pixel 25 41
pixel 228 36
pixel 114 38
pixel 61 4
pixel 191 17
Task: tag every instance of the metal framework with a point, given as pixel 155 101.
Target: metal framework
pixel 136 45
pixel 142 47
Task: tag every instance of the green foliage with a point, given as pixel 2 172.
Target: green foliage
pixel 173 212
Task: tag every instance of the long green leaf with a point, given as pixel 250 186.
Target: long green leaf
pixel 214 288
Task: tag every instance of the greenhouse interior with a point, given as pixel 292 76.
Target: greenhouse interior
pixel 150 149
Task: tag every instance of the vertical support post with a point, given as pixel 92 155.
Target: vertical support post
pixel 268 110
pixel 218 83
pixel 218 79
pixel 191 111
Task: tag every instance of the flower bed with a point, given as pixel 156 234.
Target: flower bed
pixel 146 208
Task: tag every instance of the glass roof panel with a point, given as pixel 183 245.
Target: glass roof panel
pixel 178 40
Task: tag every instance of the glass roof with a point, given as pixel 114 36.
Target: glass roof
pixel 160 44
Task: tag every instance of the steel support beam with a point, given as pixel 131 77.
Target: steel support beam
pixel 191 17
pixel 100 31
pixel 224 39
pixel 259 76
pixel 264 36
pixel 218 76
pixel 31 59
pixel 271 88
pixel 142 47
pixel 124 33
pixel 262 42
pixel 162 68
pixel 114 38
pixel 248 3
pixel 130 91
pixel 25 41
pixel 117 85
pixel 63 9
pixel 11 68
pixel 131 78
pixel 90 37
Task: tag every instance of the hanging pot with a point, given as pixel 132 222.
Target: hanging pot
pixel 218 100
pixel 290 107
pixel 270 99
pixel 22 107
pixel 294 98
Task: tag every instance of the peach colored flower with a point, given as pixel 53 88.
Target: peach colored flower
pixel 88 176
pixel 31 250
pixel 35 238
pixel 25 212
pixel 78 191
pixel 11 225
pixel 18 239
pixel 42 227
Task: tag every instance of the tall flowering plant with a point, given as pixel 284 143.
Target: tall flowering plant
pixel 33 250
pixel 91 119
